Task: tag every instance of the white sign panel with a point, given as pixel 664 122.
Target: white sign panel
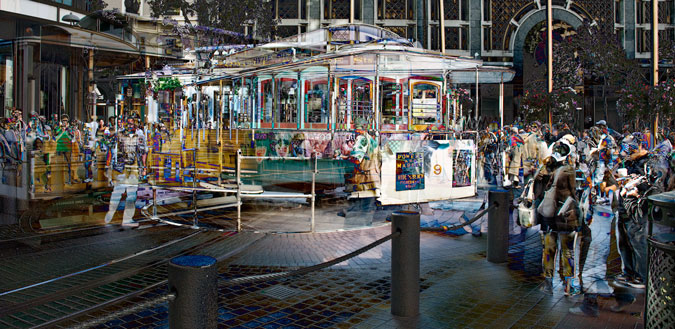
pixel 416 171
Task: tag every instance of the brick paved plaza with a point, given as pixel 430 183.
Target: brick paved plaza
pixel 459 287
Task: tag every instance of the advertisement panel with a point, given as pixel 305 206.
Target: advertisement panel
pixel 416 171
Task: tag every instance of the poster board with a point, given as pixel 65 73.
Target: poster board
pixel 416 171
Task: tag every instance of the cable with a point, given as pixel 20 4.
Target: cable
pixel 460 225
pixel 309 269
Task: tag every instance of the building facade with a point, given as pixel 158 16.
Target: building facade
pixel 497 31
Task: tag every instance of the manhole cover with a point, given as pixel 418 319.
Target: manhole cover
pixel 281 292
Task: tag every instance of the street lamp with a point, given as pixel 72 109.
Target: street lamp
pixel 70 18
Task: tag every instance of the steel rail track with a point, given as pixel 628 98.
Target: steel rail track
pixel 82 291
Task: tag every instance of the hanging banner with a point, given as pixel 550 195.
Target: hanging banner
pixel 415 171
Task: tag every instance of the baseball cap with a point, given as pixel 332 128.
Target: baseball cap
pixel 601 122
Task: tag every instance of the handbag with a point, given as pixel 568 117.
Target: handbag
pixel 568 223
pixel 526 214
pixel 548 205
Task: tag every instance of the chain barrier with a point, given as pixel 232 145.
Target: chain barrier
pixel 279 275
pixel 309 269
pixel 460 225
pixel 137 307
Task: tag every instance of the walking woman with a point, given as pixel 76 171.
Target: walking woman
pixel 560 218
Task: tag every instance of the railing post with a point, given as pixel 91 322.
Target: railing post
pixel 195 219
pixel 154 202
pixel 194 280
pixel 238 177
pixel 405 264
pixel 498 225
pixel 313 192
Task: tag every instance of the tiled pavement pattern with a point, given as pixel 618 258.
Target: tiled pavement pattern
pixel 460 289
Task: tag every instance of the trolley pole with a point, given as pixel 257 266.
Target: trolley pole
pixel 405 264
pixel 194 279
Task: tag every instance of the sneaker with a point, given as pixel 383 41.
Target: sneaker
pixel 585 310
pixel 636 284
pixel 547 286
pixel 623 278
pixel 572 291
pixel 619 307
pixel 570 288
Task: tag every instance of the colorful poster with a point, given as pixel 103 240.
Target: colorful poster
pixel 416 170
pixel 462 168
pixel 409 171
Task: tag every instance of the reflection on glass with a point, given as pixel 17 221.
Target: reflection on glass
pixel 316 102
pixel 287 105
pixel 462 168
pixel 393 109
pixel 425 103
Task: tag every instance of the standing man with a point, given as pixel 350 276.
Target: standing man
pixel 124 185
pixel 90 130
pixel 64 143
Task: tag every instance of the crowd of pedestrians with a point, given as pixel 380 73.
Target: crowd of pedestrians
pixel 123 142
pixel 561 176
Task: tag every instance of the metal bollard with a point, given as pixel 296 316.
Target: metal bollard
pixel 405 264
pixel 194 280
pixel 498 225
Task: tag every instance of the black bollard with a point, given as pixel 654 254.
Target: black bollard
pixel 194 281
pixel 405 264
pixel 498 225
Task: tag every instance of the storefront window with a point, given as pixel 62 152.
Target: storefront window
pixel 287 102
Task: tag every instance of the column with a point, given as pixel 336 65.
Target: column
pixel 314 15
pixel 475 36
pixel 368 14
pixel 421 23
pixel 629 31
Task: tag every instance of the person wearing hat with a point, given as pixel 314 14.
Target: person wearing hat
pixel 603 154
pixel 64 143
pixel 90 129
pixel 515 158
pixel 560 214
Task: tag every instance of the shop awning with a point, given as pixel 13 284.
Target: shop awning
pixel 81 38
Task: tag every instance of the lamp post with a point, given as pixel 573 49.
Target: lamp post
pixel 70 19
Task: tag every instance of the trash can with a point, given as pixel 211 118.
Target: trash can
pixel 660 305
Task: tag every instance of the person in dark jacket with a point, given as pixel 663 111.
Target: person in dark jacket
pixel 564 222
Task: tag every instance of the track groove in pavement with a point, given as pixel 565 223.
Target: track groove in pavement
pixel 54 300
